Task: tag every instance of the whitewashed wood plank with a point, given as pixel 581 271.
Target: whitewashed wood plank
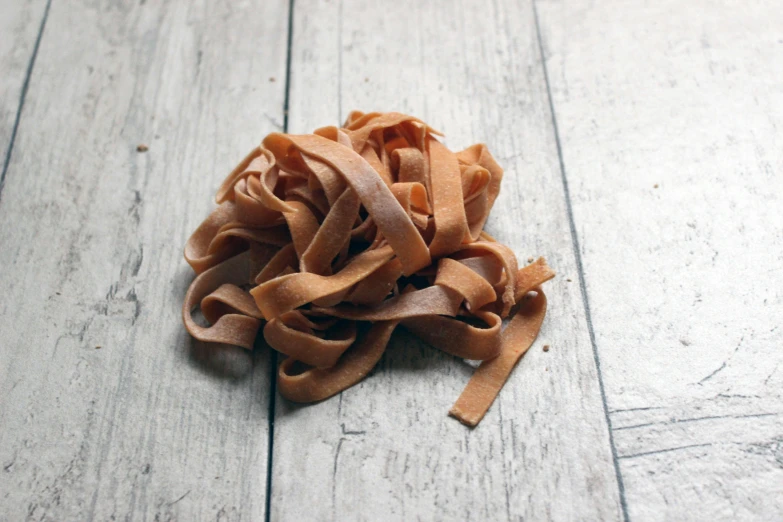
pixel 684 280
pixel 20 25
pixel 385 449
pixel 109 411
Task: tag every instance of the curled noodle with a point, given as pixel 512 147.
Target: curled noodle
pixel 327 242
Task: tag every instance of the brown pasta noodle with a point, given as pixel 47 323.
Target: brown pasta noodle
pixel 327 242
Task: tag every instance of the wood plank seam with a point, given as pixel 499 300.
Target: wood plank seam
pixel 273 353
pixel 688 327
pixel 22 96
pixel 382 445
pixel 580 267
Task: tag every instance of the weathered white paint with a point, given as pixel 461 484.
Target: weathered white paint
pixel 385 449
pixel 151 425
pixel 20 23
pixel 685 280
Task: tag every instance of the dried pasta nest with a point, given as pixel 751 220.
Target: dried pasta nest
pixel 331 240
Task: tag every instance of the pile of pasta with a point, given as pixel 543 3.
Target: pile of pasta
pixel 329 241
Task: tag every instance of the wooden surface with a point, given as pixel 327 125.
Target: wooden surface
pixel 660 396
pixel 684 281
pixel 108 409
pixel 387 446
pixel 20 25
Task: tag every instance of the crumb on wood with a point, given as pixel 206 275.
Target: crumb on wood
pixel 546 347
pixel 142 148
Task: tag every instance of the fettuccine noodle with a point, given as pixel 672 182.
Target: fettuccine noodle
pixel 328 241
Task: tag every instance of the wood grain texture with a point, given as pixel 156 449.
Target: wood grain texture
pixel 385 449
pixel 109 411
pixel 20 24
pixel 684 280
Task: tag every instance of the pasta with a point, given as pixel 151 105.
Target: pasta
pixel 329 241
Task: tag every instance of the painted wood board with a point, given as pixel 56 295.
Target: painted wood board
pixel 669 118
pixel 386 449
pixel 108 409
pixel 20 25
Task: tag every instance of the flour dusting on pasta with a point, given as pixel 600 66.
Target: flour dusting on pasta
pixel 327 242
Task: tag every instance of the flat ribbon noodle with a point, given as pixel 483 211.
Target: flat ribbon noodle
pixel 376 287
pixel 413 198
pixel 451 224
pixel 508 261
pixel 230 328
pixel 334 232
pixel 359 130
pixel 241 171
pixel 457 337
pixel 379 201
pixel 307 347
pixel 462 279
pixel 285 293
pixel 252 211
pixel 318 384
pixel 318 238
pixel 197 248
pixel 531 276
pixel 435 300
pixel 490 376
